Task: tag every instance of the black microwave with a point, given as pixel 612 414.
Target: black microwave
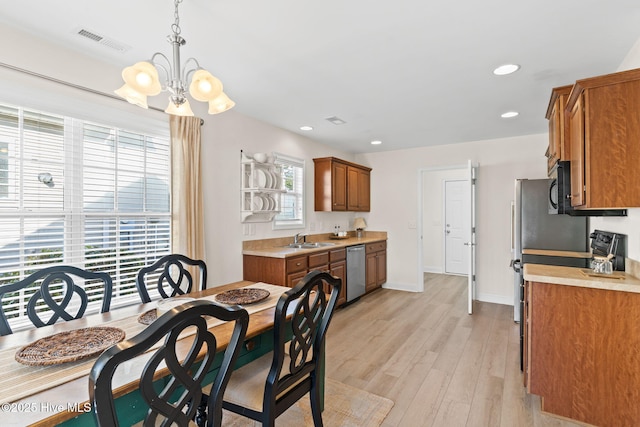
pixel 560 188
pixel 560 195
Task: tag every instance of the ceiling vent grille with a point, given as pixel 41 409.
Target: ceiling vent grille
pixel 110 43
pixel 336 120
pixel 90 35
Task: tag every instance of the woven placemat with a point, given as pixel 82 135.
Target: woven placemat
pixel 242 296
pixel 148 317
pixel 69 346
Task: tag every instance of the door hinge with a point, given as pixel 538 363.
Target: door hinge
pixel 473 278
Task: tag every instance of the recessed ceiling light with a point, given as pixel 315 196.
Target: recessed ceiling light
pixel 376 142
pixel 505 69
pixel 306 128
pixel 509 114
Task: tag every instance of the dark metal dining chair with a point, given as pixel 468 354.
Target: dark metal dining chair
pixel 268 386
pixel 178 400
pixel 170 277
pixel 57 295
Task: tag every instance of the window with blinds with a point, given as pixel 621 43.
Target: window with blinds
pixel 83 194
pixel 292 201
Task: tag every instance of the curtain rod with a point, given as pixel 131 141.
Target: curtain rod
pixel 73 85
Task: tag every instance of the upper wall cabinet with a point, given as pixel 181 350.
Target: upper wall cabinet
pixel 558 128
pixel 603 115
pixel 341 185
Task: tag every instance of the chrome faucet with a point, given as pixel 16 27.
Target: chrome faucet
pixel 296 238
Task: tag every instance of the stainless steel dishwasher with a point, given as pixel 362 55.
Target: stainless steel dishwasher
pixel 355 272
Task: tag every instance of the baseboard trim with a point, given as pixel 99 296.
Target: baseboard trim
pixel 495 298
pixel 407 287
pixel 432 269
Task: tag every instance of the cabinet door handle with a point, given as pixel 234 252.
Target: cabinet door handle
pixel 298 264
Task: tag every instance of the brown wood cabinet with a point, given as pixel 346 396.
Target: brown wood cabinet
pixel 358 189
pixel 341 185
pixel 581 352
pixel 559 148
pixel 338 268
pixel 289 271
pixel 604 130
pixel 296 269
pixel 376 265
pixel 576 129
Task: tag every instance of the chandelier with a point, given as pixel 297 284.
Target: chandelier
pixel 142 80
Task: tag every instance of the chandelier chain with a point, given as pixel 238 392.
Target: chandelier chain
pixel 175 27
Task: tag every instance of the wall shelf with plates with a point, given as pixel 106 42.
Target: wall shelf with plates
pixel 261 187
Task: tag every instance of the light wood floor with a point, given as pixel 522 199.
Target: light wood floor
pixel 439 365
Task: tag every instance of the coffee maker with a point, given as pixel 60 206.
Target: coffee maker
pixel 606 243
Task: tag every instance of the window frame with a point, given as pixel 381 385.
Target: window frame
pixel 76 218
pixel 300 221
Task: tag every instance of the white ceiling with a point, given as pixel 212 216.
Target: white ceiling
pixel 410 73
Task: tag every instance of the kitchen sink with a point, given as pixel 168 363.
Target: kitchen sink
pixel 309 245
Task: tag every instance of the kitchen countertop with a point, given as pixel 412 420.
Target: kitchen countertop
pixel 583 277
pixel 276 248
pixel 548 252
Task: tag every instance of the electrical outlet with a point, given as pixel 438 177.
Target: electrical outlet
pixel 412 225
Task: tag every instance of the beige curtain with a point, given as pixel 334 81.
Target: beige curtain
pixel 187 218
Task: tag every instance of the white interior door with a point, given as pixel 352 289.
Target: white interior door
pixel 471 235
pixel 456 226
pixel 466 171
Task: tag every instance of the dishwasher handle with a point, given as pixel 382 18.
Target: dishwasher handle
pixel 355 248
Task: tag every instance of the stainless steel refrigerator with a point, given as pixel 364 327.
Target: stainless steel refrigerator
pixel 534 228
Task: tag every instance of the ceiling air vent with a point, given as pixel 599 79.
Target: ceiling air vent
pixel 110 43
pixel 90 35
pixel 336 120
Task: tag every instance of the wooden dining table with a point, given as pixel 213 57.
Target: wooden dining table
pixel 51 401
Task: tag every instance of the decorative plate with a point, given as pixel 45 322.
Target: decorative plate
pixel 271 203
pixel 261 178
pixel 278 181
pixel 69 346
pixel 242 296
pixel 258 202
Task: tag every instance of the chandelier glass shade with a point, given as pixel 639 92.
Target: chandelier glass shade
pixel 143 79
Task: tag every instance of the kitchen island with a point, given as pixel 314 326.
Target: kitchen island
pixel 582 343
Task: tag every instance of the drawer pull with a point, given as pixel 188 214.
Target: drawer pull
pixel 298 264
pixel 250 345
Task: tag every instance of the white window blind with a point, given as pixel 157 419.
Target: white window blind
pixel 292 201
pixel 106 208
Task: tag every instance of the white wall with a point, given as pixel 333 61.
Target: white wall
pixel 394 204
pixel 224 136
